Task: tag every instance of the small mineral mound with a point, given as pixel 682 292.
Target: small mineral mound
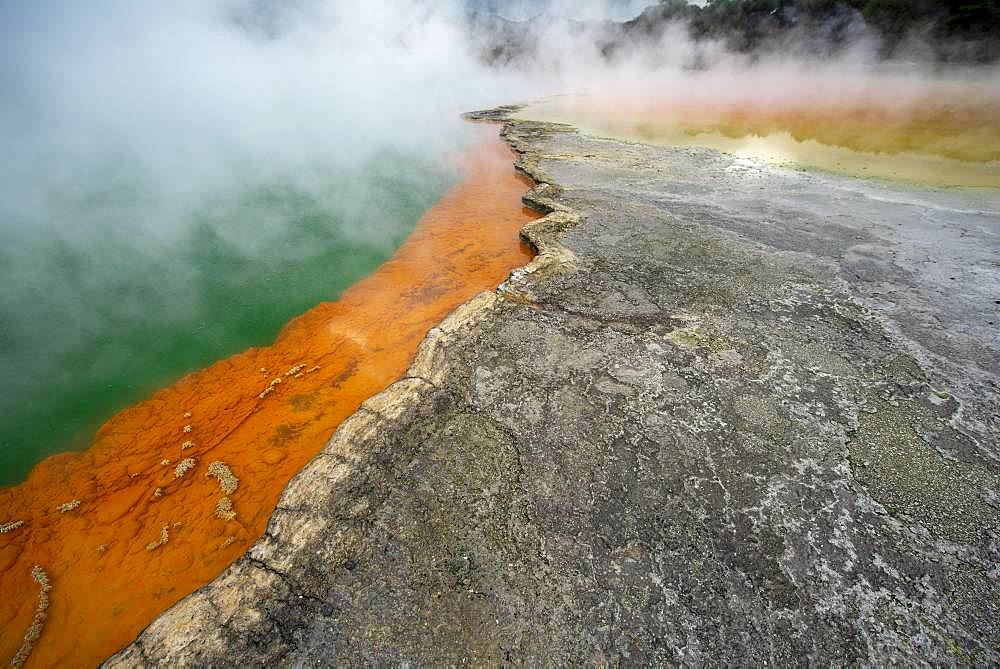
pixel 69 506
pixel 41 613
pixel 183 467
pixel 11 526
pixel 224 509
pixel 227 480
pixel 164 538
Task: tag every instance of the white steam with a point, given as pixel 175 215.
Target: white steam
pixel 183 97
pixel 126 125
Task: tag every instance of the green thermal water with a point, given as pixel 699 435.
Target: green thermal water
pixel 97 314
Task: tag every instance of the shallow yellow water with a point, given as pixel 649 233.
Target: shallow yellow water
pixel 952 140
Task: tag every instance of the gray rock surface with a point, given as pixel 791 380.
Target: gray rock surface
pixel 730 415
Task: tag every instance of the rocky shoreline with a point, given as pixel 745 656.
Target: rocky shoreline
pixel 719 419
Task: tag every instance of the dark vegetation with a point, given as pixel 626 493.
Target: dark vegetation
pixel 939 31
pixel 949 30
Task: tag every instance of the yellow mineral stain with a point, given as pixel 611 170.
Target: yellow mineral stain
pixel 943 135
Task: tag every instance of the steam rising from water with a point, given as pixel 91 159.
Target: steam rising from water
pixel 170 101
pixel 175 172
pixel 180 179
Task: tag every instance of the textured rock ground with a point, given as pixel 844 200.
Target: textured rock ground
pixel 729 415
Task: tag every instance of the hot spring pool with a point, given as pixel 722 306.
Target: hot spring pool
pixel 117 294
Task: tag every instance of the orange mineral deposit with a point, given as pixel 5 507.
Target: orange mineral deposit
pixel 177 487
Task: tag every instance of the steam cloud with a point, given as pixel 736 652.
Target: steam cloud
pixel 120 118
pixel 184 96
